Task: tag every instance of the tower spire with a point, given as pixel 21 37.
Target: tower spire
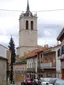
pixel 28 8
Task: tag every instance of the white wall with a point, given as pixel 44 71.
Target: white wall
pixel 58 63
pixel 3 51
pixel 3 69
pixel 31 63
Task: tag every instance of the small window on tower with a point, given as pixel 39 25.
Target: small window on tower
pixel 26 25
pixel 31 25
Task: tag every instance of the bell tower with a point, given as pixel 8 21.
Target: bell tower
pixel 27 31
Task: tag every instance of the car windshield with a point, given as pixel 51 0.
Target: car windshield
pixel 46 79
pixel 52 80
pixel 45 83
pixel 59 82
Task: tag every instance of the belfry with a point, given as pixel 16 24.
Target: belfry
pixel 27 32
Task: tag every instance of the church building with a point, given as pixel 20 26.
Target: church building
pixel 27 32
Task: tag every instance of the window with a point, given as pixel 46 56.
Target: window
pixel 58 52
pixel 53 75
pixel 31 25
pixel 26 25
pixel 62 49
pixel 41 56
pixel 48 75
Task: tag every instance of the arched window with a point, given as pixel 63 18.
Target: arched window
pixel 31 25
pixel 26 25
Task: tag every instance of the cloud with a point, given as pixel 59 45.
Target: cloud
pixel 48 33
pixel 48 30
pixel 49 23
pixel 50 41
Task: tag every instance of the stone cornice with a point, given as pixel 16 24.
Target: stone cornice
pixel 26 46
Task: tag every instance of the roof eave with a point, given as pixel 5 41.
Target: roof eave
pixel 60 35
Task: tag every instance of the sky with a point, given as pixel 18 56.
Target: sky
pixel 49 23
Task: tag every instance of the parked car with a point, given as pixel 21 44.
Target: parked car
pixel 57 82
pixel 46 79
pixel 52 80
pixel 28 81
pixel 23 82
pixel 35 82
pixel 43 81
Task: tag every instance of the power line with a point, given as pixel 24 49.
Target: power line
pixel 32 11
pixel 10 10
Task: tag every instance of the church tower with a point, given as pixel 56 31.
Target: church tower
pixel 27 32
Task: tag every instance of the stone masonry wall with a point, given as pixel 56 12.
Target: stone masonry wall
pixel 3 66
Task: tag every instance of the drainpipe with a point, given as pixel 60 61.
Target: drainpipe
pixel 36 65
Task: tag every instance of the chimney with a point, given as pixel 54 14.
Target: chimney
pixel 57 42
pixel 46 46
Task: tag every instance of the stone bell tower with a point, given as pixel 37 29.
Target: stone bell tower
pixel 27 32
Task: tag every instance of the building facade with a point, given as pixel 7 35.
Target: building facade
pixel 3 71
pixel 43 63
pixel 19 72
pixel 61 50
pixel 27 32
pixel 5 53
pixel 32 67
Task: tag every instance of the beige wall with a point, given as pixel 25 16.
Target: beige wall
pixel 18 77
pixel 8 54
pixel 3 51
pixel 27 38
pixel 25 49
pixel 3 70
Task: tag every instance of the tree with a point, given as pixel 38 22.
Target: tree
pixel 12 50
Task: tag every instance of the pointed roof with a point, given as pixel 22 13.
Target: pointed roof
pixel 28 8
pixel 28 13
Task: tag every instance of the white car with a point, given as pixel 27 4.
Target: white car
pixel 45 83
pixel 56 82
pixel 59 82
pixel 35 80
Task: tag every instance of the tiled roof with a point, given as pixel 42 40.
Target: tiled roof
pixel 55 46
pixel 2 58
pixel 38 46
pixel 3 46
pixel 33 53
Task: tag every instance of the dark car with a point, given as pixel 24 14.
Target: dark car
pixel 23 82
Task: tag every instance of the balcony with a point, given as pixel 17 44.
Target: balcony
pixel 61 57
pixel 45 65
pixel 30 69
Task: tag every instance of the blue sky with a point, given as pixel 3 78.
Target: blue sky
pixel 50 23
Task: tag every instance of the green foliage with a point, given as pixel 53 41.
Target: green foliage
pixel 13 55
pixel 12 49
pixel 22 62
